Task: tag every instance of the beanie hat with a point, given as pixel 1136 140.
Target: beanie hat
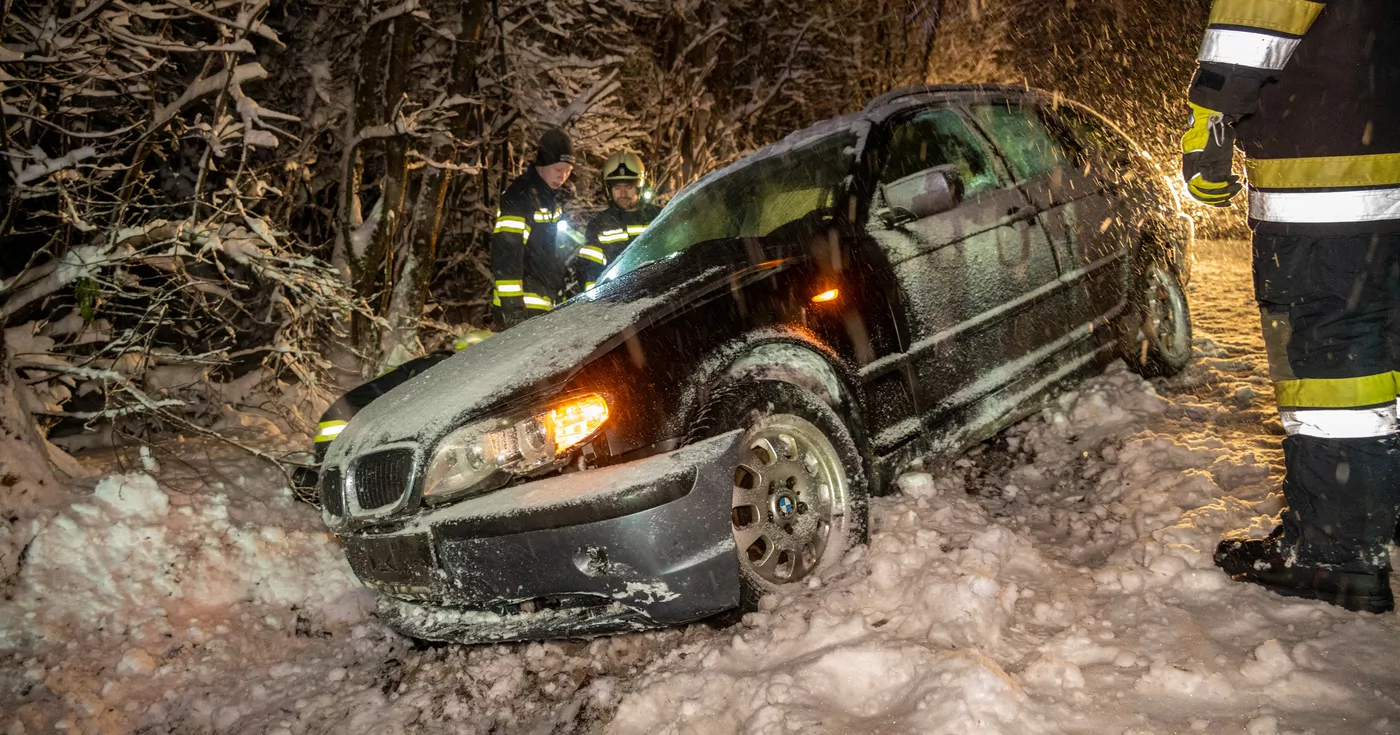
pixel 555 147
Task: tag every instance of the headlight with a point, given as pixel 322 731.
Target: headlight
pixel 485 455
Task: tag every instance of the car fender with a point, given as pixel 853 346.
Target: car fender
pixel 786 353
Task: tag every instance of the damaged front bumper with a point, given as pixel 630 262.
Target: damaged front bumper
pixel 637 545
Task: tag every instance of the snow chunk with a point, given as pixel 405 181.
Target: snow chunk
pixel 133 496
pixel 1270 663
pixel 136 662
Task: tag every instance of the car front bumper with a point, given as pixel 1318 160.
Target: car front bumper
pixel 642 544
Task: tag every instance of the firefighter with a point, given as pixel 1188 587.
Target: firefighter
pixel 629 212
pixel 526 262
pixel 1311 92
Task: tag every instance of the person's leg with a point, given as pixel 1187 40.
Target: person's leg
pixel 1325 305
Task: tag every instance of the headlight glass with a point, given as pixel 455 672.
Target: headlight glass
pixel 485 455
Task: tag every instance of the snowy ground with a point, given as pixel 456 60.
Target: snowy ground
pixel 1054 580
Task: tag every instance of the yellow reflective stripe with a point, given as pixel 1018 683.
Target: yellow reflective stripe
pixel 1196 138
pixel 496 300
pixel 507 223
pixel 1293 17
pixel 1208 192
pixel 328 430
pixel 593 254
pixel 1370 390
pixel 636 229
pixel 510 287
pixel 535 301
pixel 611 236
pixel 544 215
pixel 1377 169
pixel 589 286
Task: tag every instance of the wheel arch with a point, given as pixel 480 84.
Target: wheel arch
pixel 788 354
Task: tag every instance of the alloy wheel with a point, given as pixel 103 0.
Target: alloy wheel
pixel 791 500
pixel 1166 325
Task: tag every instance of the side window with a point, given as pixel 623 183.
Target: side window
pixel 1022 137
pixel 1089 139
pixel 937 138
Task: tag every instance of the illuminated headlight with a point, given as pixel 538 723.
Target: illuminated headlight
pixel 485 455
pixel 562 226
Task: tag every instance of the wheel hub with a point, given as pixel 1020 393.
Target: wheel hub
pixel 785 506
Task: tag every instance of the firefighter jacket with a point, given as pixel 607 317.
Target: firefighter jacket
pixel 525 258
pixel 608 234
pixel 1315 90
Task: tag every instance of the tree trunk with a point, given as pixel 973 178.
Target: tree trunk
pixel 416 265
pixel 382 81
pixel 27 480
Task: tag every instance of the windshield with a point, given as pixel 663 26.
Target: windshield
pixel 752 200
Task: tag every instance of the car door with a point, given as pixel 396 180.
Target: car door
pixel 965 275
pixel 1071 186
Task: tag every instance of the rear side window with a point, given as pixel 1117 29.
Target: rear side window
pixel 938 138
pixel 1089 138
pixel 1018 132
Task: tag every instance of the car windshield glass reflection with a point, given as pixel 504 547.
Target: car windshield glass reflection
pixel 751 201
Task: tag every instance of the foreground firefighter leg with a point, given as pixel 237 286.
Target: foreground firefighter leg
pixel 1326 305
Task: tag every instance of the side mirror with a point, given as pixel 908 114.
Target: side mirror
pixel 926 193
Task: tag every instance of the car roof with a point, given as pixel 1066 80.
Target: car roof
pixel 857 122
pixel 899 99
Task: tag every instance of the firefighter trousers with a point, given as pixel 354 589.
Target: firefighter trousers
pixel 1330 311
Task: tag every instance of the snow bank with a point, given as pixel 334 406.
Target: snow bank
pixel 1068 563
pixel 136 558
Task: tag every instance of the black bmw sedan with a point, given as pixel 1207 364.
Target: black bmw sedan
pixel 706 424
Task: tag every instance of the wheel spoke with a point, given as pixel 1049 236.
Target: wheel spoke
pixel 750 488
pixel 769 566
pixel 744 537
pixel 799 565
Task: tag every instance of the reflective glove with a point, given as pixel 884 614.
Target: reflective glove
pixel 1207 149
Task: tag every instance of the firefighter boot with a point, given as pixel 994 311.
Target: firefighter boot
pixel 1267 563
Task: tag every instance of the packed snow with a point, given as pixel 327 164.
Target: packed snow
pixel 1056 579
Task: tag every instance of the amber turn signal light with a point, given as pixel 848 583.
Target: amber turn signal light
pixel 576 420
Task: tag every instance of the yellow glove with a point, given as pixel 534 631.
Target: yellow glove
pixel 1207 149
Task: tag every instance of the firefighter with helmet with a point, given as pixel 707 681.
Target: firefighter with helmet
pixel 627 216
pixel 531 236
pixel 1311 92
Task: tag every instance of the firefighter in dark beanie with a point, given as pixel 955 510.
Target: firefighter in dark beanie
pixel 627 216
pixel 526 260
pixel 1311 92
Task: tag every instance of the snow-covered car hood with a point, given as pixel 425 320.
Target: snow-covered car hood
pixel 548 346
pixel 542 350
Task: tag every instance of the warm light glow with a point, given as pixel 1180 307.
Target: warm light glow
pixel 826 296
pixel 577 420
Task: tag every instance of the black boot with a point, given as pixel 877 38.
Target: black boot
pixel 1267 563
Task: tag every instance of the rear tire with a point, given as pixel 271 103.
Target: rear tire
pixel 800 499
pixel 1155 336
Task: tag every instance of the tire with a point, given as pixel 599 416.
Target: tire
pixel 1155 335
pixel 801 495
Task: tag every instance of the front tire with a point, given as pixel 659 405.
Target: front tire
pixel 1155 336
pixel 800 499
